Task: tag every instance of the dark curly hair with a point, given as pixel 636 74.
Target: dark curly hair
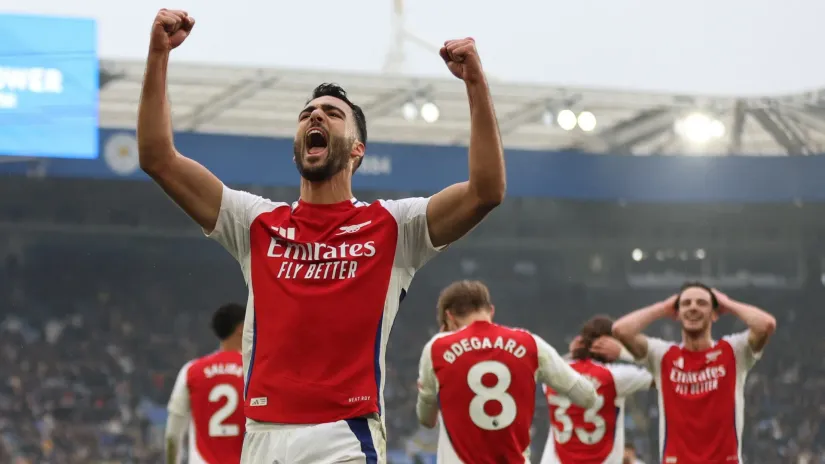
pixel 226 320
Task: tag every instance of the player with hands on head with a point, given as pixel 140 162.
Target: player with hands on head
pixel 700 381
pixel 594 435
pixel 208 394
pixel 315 374
pixel 483 378
pixel 605 347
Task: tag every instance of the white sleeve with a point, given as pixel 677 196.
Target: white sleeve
pixel 414 246
pixel 630 379
pixel 556 373
pixel 176 426
pixel 745 356
pixel 427 404
pixel 656 349
pixel 626 356
pixel 238 210
pixel 179 401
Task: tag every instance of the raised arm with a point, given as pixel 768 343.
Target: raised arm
pixel 611 349
pixel 628 329
pixel 454 211
pixel 557 374
pixel 196 190
pixel 761 325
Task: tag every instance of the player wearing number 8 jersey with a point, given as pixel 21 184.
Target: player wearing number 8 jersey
pixel 594 435
pixel 483 377
pixel 209 391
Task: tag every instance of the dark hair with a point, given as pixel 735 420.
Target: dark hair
pixel 597 326
pixel 462 298
pixel 227 319
pixel 335 90
pixel 714 303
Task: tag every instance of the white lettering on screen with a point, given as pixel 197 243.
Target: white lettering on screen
pixel 14 81
pixel 35 80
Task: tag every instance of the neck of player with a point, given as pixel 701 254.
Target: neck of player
pixel 473 317
pixel 231 344
pixel 697 342
pixel 336 189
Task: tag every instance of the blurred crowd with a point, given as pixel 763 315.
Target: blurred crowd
pixel 93 331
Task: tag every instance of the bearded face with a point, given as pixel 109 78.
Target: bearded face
pixel 325 139
pixel 320 155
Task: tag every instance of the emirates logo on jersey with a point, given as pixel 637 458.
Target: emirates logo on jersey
pixel 319 261
pixel 691 383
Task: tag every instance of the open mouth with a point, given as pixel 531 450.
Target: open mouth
pixel 316 141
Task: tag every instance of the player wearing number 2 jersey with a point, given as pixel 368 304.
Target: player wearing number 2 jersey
pixel 700 382
pixel 594 435
pixel 483 377
pixel 209 390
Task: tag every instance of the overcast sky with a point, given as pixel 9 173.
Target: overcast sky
pixel 741 47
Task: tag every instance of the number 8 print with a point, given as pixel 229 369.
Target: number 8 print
pixel 497 392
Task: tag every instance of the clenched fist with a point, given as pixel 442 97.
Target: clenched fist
pixel 170 29
pixel 462 60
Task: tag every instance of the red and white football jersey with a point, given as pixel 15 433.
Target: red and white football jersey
pixel 484 377
pixel 595 435
pixel 325 283
pixel 701 399
pixel 210 389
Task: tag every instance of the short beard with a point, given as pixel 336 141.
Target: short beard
pixel 338 151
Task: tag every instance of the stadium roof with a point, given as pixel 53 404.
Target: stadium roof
pixel 253 101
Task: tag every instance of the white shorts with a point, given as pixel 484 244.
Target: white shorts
pixel 360 441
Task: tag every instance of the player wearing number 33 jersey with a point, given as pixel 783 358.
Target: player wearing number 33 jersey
pixel 483 377
pixel 594 435
pixel 209 391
